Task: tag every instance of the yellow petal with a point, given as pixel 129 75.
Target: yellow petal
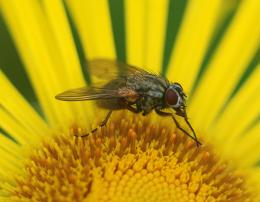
pixel 66 54
pixel 249 150
pixel 145 28
pixel 10 160
pixel 241 111
pixel 192 41
pixel 228 64
pixel 135 11
pixel 93 22
pixel 32 31
pixel 9 146
pixel 16 109
pixel 16 129
pixel 155 28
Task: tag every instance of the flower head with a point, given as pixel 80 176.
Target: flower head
pixel 132 159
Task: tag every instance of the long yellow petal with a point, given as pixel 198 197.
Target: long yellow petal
pixel 229 62
pixel 9 166
pixel 10 160
pixel 94 26
pixel 66 54
pixel 31 32
pixel 135 15
pixel 155 33
pixel 146 26
pixel 254 176
pixel 93 23
pixel 7 170
pixel 241 111
pixel 249 149
pixel 192 41
pixel 9 146
pixel 18 108
pixel 16 129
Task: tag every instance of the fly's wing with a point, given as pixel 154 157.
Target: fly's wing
pixel 88 93
pixel 105 70
pixel 113 89
pixel 111 69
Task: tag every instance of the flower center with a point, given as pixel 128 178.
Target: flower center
pixel 131 159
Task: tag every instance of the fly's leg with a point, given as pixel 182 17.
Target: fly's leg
pixel 183 114
pixel 188 123
pixel 132 109
pixel 161 113
pixel 139 105
pixel 103 123
pixel 178 126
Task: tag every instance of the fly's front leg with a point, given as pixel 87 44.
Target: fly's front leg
pixel 139 105
pixel 147 105
pixel 103 123
pixel 165 114
pixel 183 114
pixel 178 126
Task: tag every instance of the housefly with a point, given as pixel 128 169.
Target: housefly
pixel 123 86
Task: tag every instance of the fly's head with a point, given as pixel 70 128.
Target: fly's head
pixel 176 98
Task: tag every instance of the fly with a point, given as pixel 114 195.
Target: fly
pixel 134 89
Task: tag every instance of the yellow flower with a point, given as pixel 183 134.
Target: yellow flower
pixel 210 47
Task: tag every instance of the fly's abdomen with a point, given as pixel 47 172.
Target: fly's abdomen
pixel 112 104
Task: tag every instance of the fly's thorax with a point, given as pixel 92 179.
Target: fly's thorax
pixel 153 99
pixel 148 85
pixel 148 103
pixel 150 90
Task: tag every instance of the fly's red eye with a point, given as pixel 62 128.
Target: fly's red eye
pixel 171 97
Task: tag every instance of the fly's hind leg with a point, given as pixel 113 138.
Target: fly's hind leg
pixel 103 123
pixel 132 109
pixel 161 113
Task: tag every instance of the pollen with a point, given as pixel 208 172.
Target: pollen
pixel 132 159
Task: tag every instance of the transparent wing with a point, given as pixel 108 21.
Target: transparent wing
pixel 88 93
pixel 106 70
pixel 110 69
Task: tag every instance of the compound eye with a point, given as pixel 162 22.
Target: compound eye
pixel 171 97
